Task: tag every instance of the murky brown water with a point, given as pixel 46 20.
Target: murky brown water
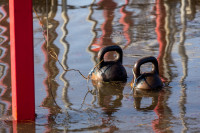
pixel 168 30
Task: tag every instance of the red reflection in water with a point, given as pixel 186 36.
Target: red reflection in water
pixel 108 105
pixel 50 87
pixel 50 68
pixel 109 7
pixel 127 23
pixel 47 100
pixel 161 34
pixel 161 110
pixel 106 28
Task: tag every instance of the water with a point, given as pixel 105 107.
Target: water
pixel 168 30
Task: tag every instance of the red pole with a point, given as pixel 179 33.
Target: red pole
pixel 22 61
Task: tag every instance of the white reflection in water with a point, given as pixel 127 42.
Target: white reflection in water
pixel 184 60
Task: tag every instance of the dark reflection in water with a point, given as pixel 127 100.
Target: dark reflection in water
pixel 159 105
pixel 5 85
pixel 138 96
pixel 50 67
pixel 109 98
pixel 165 35
pixel 130 24
pixel 164 114
pixel 106 92
pixel 164 22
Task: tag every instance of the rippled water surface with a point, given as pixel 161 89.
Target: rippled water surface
pixel 166 29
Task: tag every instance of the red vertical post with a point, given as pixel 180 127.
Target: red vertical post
pixel 22 61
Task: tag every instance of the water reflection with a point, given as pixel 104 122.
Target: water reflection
pixel 165 30
pixel 109 36
pixel 5 85
pixel 50 67
pixel 108 7
pixel 139 95
pixel 164 114
pixel 121 23
pixel 165 37
pixel 94 32
pixel 190 9
pixel 64 57
pixel 184 60
pixel 127 22
pixel 50 64
pixel 106 94
pixel 65 44
pixel 109 97
pixel 5 58
pixel 159 105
